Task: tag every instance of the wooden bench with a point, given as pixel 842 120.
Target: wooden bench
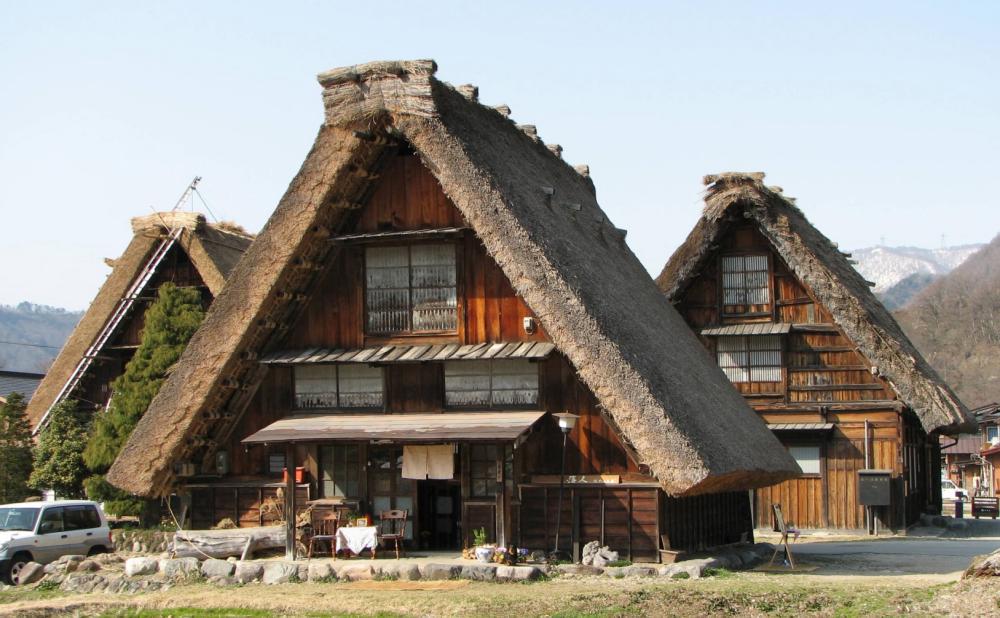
pixel 985 506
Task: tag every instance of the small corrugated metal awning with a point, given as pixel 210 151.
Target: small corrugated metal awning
pixel 531 350
pixel 448 426
pixel 800 426
pixel 763 328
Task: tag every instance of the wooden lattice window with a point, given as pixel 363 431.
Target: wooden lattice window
pixel 482 470
pixel 338 386
pixel 750 358
pixel 339 471
pixel 491 384
pixel 745 285
pixel 411 289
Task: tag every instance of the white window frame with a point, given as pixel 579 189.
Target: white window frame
pixel 507 383
pixel 423 293
pixel 336 387
pixel 750 358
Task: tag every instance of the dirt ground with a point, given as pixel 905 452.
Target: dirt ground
pixel 744 594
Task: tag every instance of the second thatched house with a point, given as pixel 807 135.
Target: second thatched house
pixel 177 247
pixel 433 295
pixel 798 331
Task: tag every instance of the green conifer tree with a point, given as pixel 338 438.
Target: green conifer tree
pixel 58 456
pixel 15 450
pixel 171 321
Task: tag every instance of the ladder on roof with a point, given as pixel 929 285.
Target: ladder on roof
pixel 122 309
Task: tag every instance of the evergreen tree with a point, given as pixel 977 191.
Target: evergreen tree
pixel 15 450
pixel 58 456
pixel 171 321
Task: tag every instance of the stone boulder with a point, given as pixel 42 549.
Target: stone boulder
pixel 88 566
pixel 141 566
pixel 479 572
pixel 247 572
pixel 596 555
pixel 321 572
pixel 440 571
pixel 30 573
pixel 280 572
pixel 356 572
pixel 518 573
pixel 179 568
pixel 409 572
pixel 213 567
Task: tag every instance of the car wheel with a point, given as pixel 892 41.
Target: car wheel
pixel 97 549
pixel 14 568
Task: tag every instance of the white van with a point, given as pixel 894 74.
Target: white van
pixel 43 531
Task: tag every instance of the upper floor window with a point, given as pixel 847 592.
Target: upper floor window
pixel 338 386
pixel 490 384
pixel 744 282
pixel 411 289
pixel 992 433
pixel 750 358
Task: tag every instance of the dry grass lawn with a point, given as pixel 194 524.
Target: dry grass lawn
pixel 747 594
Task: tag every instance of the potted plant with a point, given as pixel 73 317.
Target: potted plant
pixel 484 553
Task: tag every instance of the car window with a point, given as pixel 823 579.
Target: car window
pixel 18 518
pixel 82 517
pixel 52 520
pixel 947 485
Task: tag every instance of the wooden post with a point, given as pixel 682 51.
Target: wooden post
pixel 575 534
pixel 290 501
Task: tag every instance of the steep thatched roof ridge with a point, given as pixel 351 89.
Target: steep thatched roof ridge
pixel 539 219
pixel 214 252
pixel 826 271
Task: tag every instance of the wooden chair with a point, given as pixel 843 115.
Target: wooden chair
pixel 782 526
pixel 392 527
pixel 324 528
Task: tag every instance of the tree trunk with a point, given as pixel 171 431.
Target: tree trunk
pixel 236 542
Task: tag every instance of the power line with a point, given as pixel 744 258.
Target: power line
pixel 30 345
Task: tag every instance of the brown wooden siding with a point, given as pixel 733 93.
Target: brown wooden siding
pixel 824 375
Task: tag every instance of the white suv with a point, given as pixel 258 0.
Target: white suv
pixel 43 531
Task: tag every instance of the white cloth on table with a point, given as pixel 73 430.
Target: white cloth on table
pixel 357 538
pixel 435 461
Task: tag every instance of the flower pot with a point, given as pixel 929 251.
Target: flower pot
pixel 484 554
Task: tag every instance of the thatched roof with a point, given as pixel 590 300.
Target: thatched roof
pixel 213 252
pixel 826 271
pixel 538 218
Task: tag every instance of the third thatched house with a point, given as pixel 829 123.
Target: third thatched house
pixel 801 335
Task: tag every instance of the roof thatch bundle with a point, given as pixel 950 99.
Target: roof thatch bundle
pixel 826 271
pixel 213 252
pixel 538 218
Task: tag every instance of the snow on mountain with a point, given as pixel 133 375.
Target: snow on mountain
pixel 887 266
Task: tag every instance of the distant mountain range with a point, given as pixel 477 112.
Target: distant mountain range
pixel 955 323
pixel 899 273
pixel 31 335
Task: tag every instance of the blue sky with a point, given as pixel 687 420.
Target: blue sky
pixel 882 119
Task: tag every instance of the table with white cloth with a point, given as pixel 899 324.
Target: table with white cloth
pixel 357 539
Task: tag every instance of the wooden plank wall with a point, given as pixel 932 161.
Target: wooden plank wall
pixel 241 504
pixel 700 522
pixel 625 519
pixel 824 375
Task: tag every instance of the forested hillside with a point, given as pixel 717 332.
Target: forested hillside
pixel 955 323
pixel 42 328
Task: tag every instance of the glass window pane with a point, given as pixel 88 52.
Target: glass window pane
pixel 434 287
pixel 807 457
pixel 315 386
pixel 387 281
pixel 360 386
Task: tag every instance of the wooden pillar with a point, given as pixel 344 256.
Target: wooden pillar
pixel 501 502
pixel 290 501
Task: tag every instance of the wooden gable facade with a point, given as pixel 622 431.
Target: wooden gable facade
pixel 507 487
pixel 819 393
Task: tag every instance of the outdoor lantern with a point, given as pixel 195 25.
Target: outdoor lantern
pixel 222 462
pixel 567 421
